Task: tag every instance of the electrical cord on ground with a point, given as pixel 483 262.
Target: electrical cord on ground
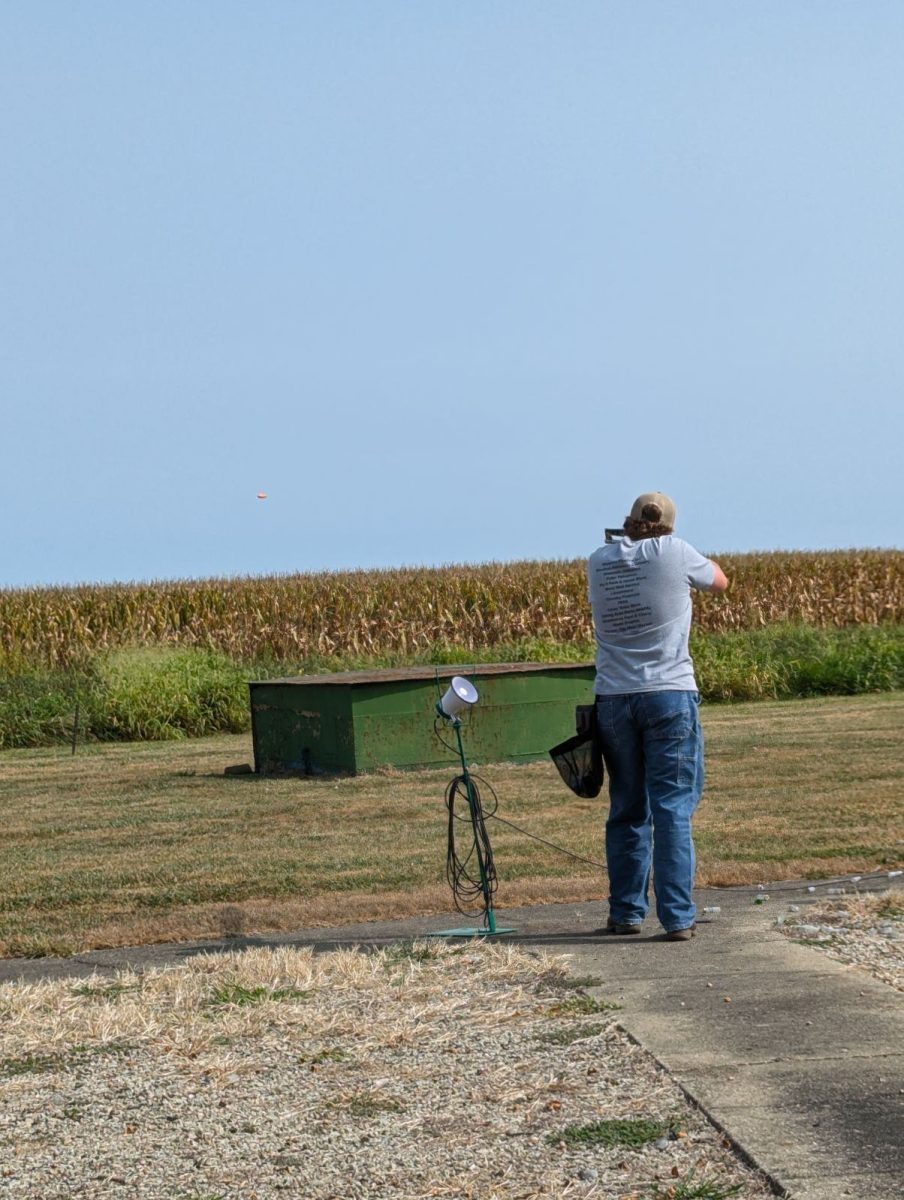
pixel 536 838
pixel 471 892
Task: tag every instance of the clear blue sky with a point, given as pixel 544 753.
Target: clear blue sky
pixel 447 281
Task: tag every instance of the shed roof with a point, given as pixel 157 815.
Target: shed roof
pixel 400 674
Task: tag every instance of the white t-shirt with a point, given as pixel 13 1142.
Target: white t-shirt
pixel 640 597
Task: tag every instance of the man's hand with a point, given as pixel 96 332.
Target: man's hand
pixel 719 583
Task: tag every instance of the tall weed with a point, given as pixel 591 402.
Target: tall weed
pixel 799 660
pixel 153 694
pixel 160 694
pixel 38 707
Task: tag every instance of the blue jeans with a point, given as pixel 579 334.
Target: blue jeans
pixel 653 750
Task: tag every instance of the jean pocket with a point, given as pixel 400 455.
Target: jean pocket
pixel 670 716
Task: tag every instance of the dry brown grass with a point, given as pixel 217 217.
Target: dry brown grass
pixel 372 614
pixel 150 842
pixel 414 1073
pixel 248 993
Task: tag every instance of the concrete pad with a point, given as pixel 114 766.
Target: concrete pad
pixel 878 1077
pixel 848 1112
pixel 839 1187
pixel 34 970
pixel 825 1022
pixel 658 964
pixel 804 1067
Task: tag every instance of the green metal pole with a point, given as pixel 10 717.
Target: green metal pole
pixel 491 919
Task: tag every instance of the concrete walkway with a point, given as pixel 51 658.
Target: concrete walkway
pixel 798 1058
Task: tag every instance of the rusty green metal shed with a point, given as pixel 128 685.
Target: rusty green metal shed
pixel 358 721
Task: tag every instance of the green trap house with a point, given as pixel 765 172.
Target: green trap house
pixel 358 721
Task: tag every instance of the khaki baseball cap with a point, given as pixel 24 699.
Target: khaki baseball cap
pixel 643 506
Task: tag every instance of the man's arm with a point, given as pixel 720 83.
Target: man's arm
pixel 698 568
pixel 719 583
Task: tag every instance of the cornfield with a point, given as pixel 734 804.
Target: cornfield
pixel 368 614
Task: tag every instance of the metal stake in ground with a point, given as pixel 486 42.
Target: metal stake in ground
pixel 462 695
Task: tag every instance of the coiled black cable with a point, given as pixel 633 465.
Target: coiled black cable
pixel 471 893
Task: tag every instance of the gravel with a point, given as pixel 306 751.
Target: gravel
pixel 426 1071
pixel 863 930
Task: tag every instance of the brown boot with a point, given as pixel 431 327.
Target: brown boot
pixel 681 935
pixel 622 926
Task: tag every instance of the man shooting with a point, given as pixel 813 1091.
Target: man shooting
pixel 647 713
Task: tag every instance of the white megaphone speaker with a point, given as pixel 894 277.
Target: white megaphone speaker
pixel 459 695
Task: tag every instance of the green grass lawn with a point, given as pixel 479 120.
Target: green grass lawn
pixel 150 841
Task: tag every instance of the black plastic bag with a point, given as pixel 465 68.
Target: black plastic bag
pixel 580 759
